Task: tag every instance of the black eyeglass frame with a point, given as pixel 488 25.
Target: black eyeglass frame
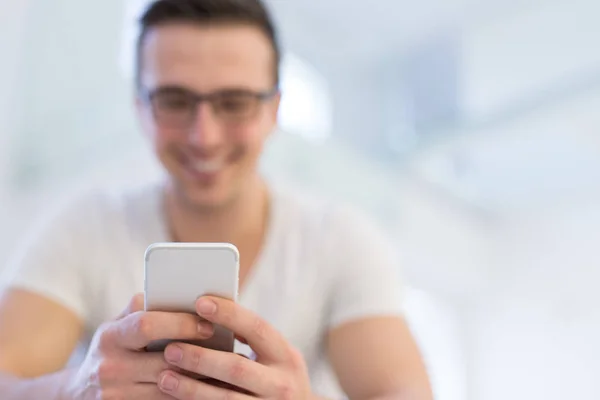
pixel 148 96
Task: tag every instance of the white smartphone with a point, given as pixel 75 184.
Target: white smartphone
pixel 177 274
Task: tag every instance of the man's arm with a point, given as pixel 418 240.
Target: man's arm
pixel 45 296
pixel 377 359
pixel 49 387
pixel 37 337
pixel 369 343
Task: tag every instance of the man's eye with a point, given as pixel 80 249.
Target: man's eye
pixel 175 103
pixel 234 104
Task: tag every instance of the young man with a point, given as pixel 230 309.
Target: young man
pixel 318 296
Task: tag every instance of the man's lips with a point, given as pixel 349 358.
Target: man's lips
pixel 206 166
pixel 204 171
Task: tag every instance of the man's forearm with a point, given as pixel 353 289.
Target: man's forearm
pixel 49 387
pixel 392 396
pixel 403 395
pixel 406 395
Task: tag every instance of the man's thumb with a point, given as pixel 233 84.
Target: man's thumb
pixel 135 304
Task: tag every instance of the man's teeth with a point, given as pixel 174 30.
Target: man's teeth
pixel 207 166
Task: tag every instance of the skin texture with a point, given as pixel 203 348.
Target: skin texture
pixel 373 358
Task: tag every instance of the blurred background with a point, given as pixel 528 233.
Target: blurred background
pixel 470 129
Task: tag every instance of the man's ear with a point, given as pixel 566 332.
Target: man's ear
pixel 275 104
pixel 139 106
pixel 142 114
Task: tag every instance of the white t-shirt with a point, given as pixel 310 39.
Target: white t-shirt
pixel 321 265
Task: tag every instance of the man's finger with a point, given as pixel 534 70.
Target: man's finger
pixel 137 367
pixel 182 387
pixel 137 330
pixel 146 367
pixel 145 391
pixel 222 366
pixel 219 384
pixel 266 341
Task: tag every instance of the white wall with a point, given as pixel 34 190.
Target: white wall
pixel 536 337
pixel 11 20
pixel 75 108
pixel 439 329
pixel 445 243
pixel 12 15
pixel 532 333
pixel 507 62
pixel 65 108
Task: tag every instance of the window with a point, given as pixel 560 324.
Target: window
pixel 306 107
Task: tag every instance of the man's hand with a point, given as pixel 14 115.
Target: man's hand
pixel 116 367
pixel 279 371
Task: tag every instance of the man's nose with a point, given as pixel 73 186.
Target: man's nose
pixel 206 130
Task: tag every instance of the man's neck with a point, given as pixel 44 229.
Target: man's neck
pixel 245 217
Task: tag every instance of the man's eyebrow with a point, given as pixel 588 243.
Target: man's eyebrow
pixel 172 87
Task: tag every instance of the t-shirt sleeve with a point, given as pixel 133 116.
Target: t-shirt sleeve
pixel 50 260
pixel 366 278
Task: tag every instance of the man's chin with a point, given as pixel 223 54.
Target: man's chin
pixel 202 199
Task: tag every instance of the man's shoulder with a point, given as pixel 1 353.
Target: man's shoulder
pixel 332 216
pixel 94 207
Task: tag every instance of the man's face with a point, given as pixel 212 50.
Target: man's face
pixel 209 148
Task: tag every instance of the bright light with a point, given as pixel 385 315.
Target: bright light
pixel 306 107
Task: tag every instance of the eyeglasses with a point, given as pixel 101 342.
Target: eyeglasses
pixel 177 107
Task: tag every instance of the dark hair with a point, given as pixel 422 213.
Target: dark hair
pixel 204 12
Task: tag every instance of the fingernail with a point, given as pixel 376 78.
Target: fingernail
pixel 206 329
pixel 169 383
pixel 206 307
pixel 173 354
